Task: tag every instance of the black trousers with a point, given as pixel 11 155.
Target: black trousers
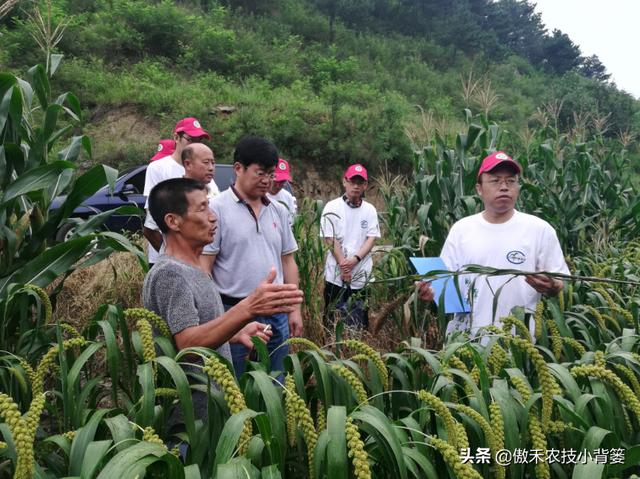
pixel 349 305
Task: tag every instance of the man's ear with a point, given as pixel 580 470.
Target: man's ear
pixel 173 221
pixel 479 189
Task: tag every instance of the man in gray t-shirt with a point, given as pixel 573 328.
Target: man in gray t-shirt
pixel 184 295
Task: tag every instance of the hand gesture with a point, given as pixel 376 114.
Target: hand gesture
pixel 269 298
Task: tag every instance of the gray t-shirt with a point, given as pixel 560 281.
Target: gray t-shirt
pixel 245 247
pixel 183 296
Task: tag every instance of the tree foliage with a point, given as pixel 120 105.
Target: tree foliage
pixel 299 71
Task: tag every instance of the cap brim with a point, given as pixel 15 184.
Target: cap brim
pixel 283 177
pixel 348 177
pixel 507 161
pixel 513 163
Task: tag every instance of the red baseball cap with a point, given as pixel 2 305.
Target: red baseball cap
pixel 191 127
pixel 495 159
pixel 283 172
pixel 356 170
pixel 165 148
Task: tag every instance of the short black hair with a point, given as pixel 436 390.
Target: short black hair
pixel 253 149
pixel 170 196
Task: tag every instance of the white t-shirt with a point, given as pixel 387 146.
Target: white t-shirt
pixel 288 200
pixel 525 243
pixel 352 227
pixel 157 171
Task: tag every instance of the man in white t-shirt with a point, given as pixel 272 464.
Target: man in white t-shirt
pixel 278 193
pixel 504 238
pixel 350 227
pixel 186 131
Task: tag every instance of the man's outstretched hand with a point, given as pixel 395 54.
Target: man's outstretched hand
pixel 269 299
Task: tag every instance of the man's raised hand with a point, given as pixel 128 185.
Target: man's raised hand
pixel 269 298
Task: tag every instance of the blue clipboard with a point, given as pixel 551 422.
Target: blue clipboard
pixel 440 283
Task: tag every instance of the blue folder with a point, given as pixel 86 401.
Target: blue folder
pixel 441 282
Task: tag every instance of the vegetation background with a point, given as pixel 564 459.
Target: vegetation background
pixel 329 81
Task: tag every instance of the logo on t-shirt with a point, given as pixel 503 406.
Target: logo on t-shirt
pixel 364 224
pixel 516 257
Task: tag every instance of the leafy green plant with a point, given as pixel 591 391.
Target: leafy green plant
pixel 34 172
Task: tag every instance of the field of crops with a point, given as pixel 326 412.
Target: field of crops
pixel 95 401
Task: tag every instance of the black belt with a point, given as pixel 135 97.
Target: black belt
pixel 229 300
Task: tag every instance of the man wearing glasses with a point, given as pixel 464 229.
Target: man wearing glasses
pixel 253 237
pixel 504 238
pixel 186 131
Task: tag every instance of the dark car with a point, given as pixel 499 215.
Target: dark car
pixel 127 192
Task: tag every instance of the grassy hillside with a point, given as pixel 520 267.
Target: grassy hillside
pixel 330 82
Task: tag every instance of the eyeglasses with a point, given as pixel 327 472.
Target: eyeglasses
pixel 263 174
pixel 497 182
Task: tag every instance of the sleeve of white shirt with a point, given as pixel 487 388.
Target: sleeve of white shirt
pixel 374 225
pixel 150 180
pixel 551 258
pixel 289 244
pixel 150 223
pixel 213 189
pixel 449 254
pixel 330 223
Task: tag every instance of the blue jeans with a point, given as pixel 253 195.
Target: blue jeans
pixel 280 328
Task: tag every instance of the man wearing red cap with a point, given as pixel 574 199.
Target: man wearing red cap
pixel 186 131
pixel 350 227
pixel 277 191
pixel 165 148
pixel 504 238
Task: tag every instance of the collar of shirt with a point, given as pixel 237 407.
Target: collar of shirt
pixel 352 205
pixel 236 196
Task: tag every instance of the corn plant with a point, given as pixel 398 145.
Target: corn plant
pixel 310 259
pixel 35 170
